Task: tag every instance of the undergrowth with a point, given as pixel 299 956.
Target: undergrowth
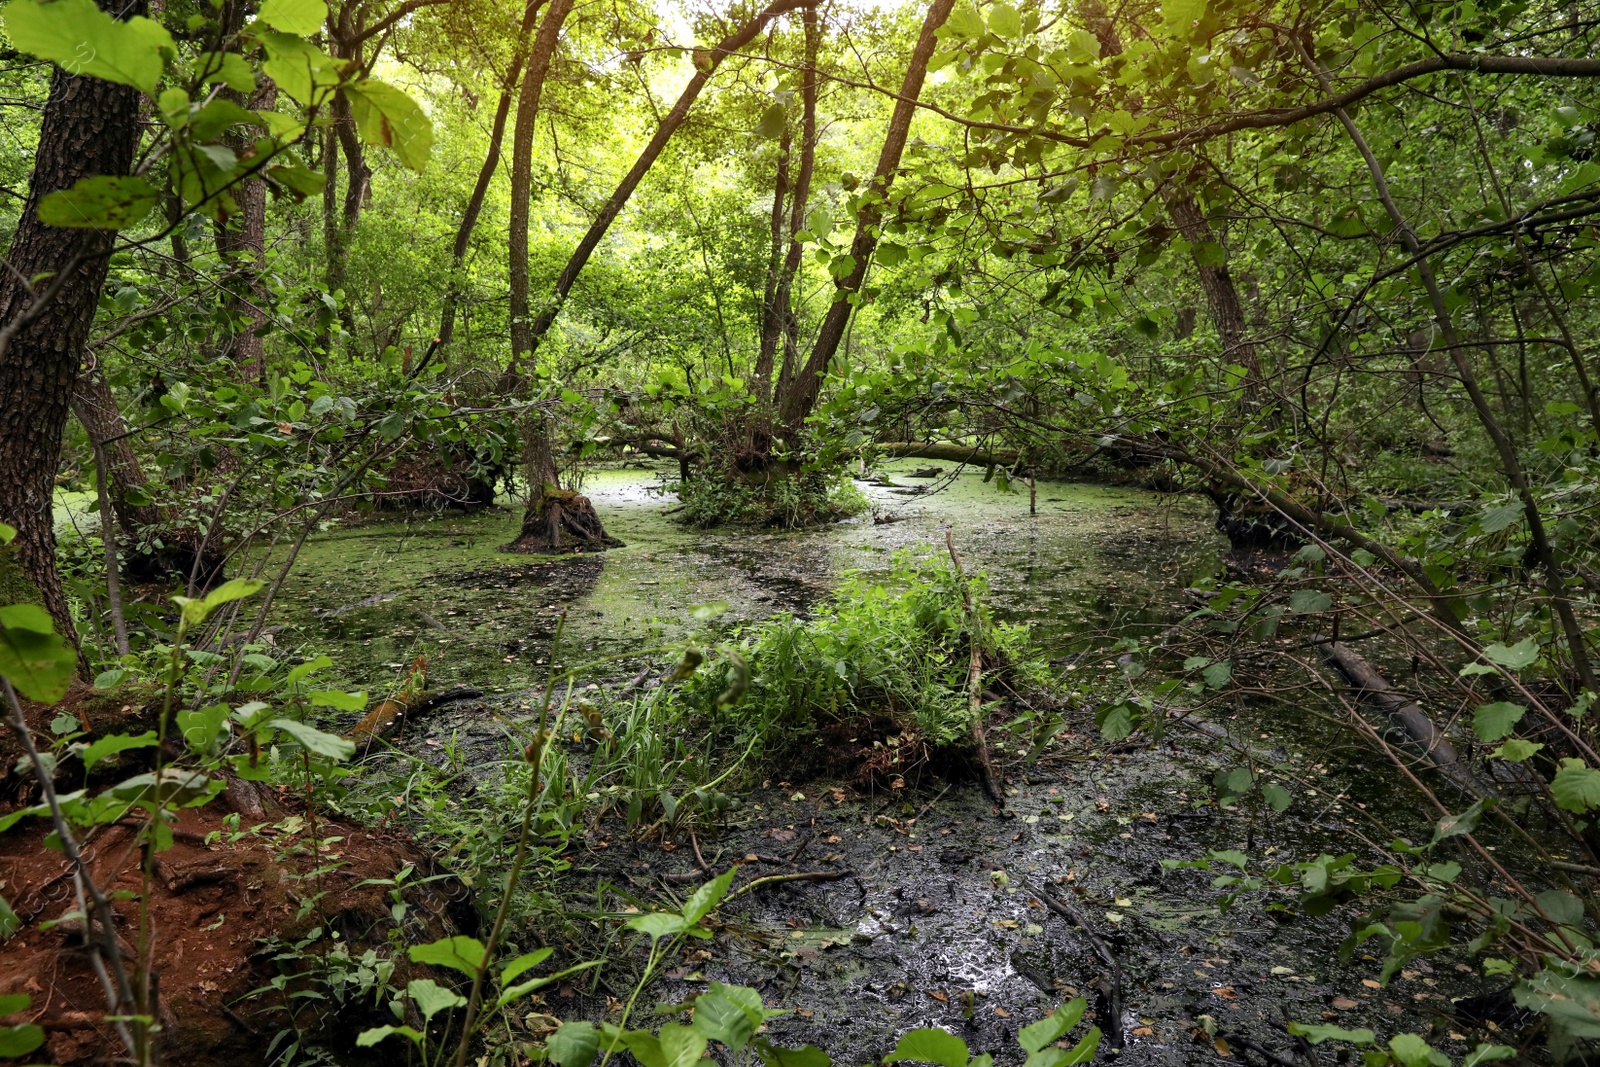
pixel 806 498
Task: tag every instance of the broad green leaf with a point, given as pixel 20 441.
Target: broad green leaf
pixel 110 746
pixel 20 1040
pixel 11 1003
pixel 302 17
pixel 201 729
pixel 368 1038
pixel 707 897
pixel 1218 674
pixel 1049 1029
pixel 1576 786
pixel 1496 519
pixel 300 181
pixel 432 998
pixel 1082 47
pixel 299 673
pixel 1491 722
pixel 1309 601
pixel 1004 20
pixel 81 39
pixel 573 1045
pixel 1411 1050
pixel 657 924
pixel 681 1046
pixel 1456 825
pixel 1316 1034
pixel 522 989
pixel 1570 1002
pixel 33 657
pixel 523 963
pixel 219 115
pixel 305 73
pixel 804 1056
pixel 774 120
pixel 1487 1053
pixel 1180 15
pixel 1055 1056
pixel 387 116
pixel 729 1014
pixel 330 746
pixel 1561 906
pixel 465 954
pixel 964 20
pixel 338 699
pixel 1515 657
pixel 930 1045
pixel 8 533
pixel 1516 749
pixel 101 203
pixel 1277 797
pixel 229 68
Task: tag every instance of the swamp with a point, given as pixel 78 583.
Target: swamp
pixel 692 533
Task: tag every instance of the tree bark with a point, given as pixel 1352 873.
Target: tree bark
pixel 544 50
pixel 1222 296
pixel 797 207
pixel 90 128
pixel 801 396
pixel 242 244
pixel 480 191
pixel 771 314
pixel 96 408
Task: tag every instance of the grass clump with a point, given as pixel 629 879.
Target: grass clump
pixel 879 675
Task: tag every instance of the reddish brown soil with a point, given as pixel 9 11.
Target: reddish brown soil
pixel 210 908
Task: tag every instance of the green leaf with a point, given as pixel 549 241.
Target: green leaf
pixel 81 39
pixel 930 1045
pixel 368 1038
pixel 302 17
pixel 1277 797
pixel 1456 825
pixel 1515 750
pixel 1412 1051
pixel 681 1046
pixel 523 963
pixel 1561 906
pixel 1055 1056
pixel 299 673
pixel 1487 1053
pixel 300 181
pixel 432 998
pixel 7 533
pixel 311 739
pixel 338 699
pixel 1514 657
pixel 20 1040
pixel 465 954
pixel 964 21
pixel 101 203
pixel 804 1056
pixel 32 656
pixel 1496 519
pixel 219 115
pixel 305 73
pixel 229 68
pixel 522 989
pixel 1309 601
pixel 707 897
pixel 1576 786
pixel 657 924
pixel 573 1045
pixel 1049 1029
pixel 11 1003
pixel 110 746
pixel 1180 15
pixel 202 728
pixel 1004 20
pixel 729 1014
pixel 774 120
pixel 1491 722
pixel 387 116
pixel 1316 1034
pixel 1218 674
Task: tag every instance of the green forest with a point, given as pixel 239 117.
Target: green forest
pixel 691 533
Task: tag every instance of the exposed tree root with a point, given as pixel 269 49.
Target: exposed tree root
pixel 566 522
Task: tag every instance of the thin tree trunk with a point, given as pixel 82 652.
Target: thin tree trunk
pixel 1222 296
pixel 801 396
pixel 706 62
pixel 797 208
pixel 544 50
pixel 491 163
pixel 242 244
pixel 771 313
pixel 90 127
pixel 96 408
pixel 108 538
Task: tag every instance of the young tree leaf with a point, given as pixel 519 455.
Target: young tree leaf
pixel 930 1045
pixel 339 700
pixel 229 68
pixel 657 924
pixel 305 73
pixel 1491 722
pixel 329 746
pixel 1514 657
pixel 1309 601
pixel 729 1014
pixel 432 998
pixel 81 39
pixel 707 897
pixel 389 117
pixel 804 1056
pixel 301 17
pixel 524 963
pixel 681 1046
pixel 368 1038
pixel 1316 1034
pixel 33 657
pixel 1576 786
pixel 20 1040
pixel 99 203
pixel 573 1045
pixel 1515 750
pixel 110 746
pixel 1004 20
pixel 1049 1029
pixel 465 954
pixel 773 122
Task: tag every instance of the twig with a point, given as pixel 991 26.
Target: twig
pixel 802 876
pixel 1113 991
pixel 986 771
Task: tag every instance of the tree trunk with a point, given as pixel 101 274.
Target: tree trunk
pixel 1222 296
pixel 797 208
pixel 90 127
pixel 242 244
pixel 771 314
pixel 544 50
pixel 556 519
pixel 96 408
pixel 801 395
pixel 491 163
